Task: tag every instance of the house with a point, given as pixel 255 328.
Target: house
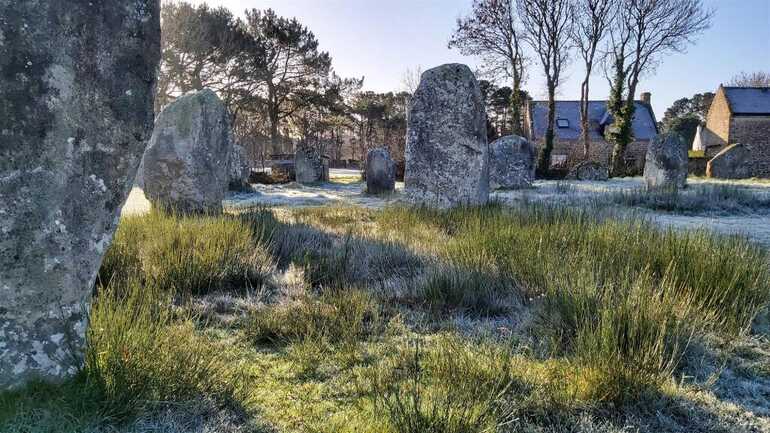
pixel 568 146
pixel 739 115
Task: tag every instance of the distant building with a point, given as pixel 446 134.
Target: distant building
pixel 739 115
pixel 568 146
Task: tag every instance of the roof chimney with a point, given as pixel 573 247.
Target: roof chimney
pixel 646 98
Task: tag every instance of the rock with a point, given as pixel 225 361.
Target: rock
pixel 733 162
pixel 310 166
pixel 589 170
pixel 380 172
pixel 446 149
pixel 76 99
pixel 239 168
pixel 186 165
pixel 666 162
pixel 511 163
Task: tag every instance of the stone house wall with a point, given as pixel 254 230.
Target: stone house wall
pixel 571 152
pixel 755 132
pixel 718 121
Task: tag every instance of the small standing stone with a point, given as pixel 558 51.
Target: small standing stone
pixel 666 162
pixel 186 165
pixel 310 166
pixel 733 162
pixel 380 172
pixel 511 163
pixel 447 154
pixel 76 98
pixel 589 170
pixel 239 168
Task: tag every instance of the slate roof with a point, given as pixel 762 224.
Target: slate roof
pixel 645 127
pixel 748 100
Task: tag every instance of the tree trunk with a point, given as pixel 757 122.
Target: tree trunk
pixel 516 106
pixel 584 121
pixel 544 162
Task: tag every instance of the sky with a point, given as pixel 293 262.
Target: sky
pixel 380 39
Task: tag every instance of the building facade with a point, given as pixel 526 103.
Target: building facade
pixel 568 145
pixel 739 115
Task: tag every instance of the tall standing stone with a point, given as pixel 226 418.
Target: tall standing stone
pixel 666 162
pixel 446 147
pixel 380 172
pixel 511 163
pixel 187 163
pixel 76 109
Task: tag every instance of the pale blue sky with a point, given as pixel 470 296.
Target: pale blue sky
pixel 380 39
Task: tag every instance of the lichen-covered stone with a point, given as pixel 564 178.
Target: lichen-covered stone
pixel 733 162
pixel 589 170
pixel 666 162
pixel 239 168
pixel 76 110
pixel 310 166
pixel 186 165
pixel 380 172
pixel 446 147
pixel 511 163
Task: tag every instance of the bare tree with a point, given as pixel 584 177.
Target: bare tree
pixel 646 30
pixel 411 79
pixel 492 31
pixel 752 79
pixel 593 20
pixel 548 25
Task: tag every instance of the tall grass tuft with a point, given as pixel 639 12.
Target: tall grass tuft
pixel 139 355
pixel 190 255
pixel 728 199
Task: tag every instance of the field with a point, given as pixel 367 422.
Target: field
pixel 572 307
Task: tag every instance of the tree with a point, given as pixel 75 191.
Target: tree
pixel 646 30
pixel 593 20
pixel 753 79
pixel 548 26
pixel 411 80
pixel 686 114
pixel 292 64
pixel 493 32
pixel 199 45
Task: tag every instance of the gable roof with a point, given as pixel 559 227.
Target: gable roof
pixel 643 123
pixel 748 100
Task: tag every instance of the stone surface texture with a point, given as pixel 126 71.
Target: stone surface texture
pixel 666 162
pixel 589 170
pixel 511 163
pixel 380 172
pixel 186 165
pixel 239 168
pixel 310 165
pixel 77 81
pixel 447 154
pixel 733 162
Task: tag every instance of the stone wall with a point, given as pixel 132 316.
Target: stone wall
pixel 755 132
pixel 718 121
pixel 572 153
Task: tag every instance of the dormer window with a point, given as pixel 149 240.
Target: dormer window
pixel 562 123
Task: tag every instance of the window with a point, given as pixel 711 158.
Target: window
pixel 562 123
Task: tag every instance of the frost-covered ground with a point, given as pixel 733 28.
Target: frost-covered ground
pixel 346 188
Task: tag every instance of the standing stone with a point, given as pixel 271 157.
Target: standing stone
pixel 310 166
pixel 589 170
pixel 380 172
pixel 186 165
pixel 76 110
pixel 666 162
pixel 446 146
pixel 733 162
pixel 511 163
pixel 239 168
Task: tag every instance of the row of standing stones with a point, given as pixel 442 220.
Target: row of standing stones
pixel 77 98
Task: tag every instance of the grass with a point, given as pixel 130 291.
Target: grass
pixel 717 198
pixel 592 316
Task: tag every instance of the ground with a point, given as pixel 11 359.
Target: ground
pixel 568 307
pixel 346 188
